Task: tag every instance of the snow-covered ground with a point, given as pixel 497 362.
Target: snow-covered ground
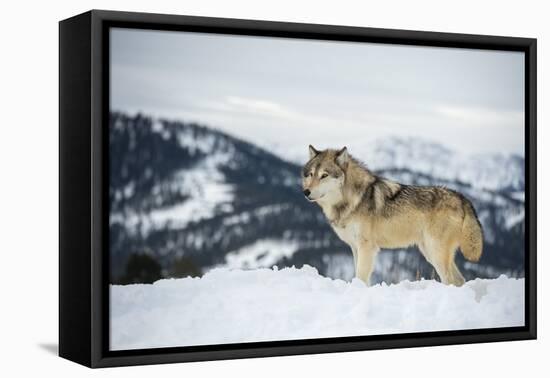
pixel 233 306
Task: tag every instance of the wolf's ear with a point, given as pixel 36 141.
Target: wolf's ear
pixel 312 152
pixel 342 157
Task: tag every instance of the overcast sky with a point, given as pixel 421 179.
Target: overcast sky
pixel 285 93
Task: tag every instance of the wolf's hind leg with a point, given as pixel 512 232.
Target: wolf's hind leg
pixel 443 271
pixel 441 257
pixel 449 273
pixel 366 255
pixel 457 278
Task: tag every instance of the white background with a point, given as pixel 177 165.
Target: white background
pixel 29 188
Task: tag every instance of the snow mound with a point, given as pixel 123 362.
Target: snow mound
pixel 234 306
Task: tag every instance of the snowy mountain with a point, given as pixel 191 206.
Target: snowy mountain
pixel 191 198
pixel 482 171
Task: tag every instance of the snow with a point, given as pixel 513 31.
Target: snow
pixel 513 217
pixel 203 186
pixel 490 171
pixel 234 306
pixel 261 253
pixel 206 191
pixel 262 211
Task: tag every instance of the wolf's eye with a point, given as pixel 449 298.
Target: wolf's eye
pixel 324 175
pixel 307 174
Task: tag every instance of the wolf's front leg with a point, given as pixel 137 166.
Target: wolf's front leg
pixel 366 255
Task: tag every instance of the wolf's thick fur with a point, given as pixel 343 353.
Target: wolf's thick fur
pixel 370 212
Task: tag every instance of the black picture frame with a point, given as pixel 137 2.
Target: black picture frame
pixel 83 198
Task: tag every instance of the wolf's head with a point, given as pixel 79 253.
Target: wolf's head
pixel 324 173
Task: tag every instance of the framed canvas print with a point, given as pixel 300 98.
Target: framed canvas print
pixel 235 188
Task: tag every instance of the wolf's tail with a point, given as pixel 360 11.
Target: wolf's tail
pixel 471 239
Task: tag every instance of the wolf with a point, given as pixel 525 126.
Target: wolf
pixel 369 212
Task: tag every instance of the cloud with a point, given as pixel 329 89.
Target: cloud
pixel 274 91
pixel 259 107
pixel 477 115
